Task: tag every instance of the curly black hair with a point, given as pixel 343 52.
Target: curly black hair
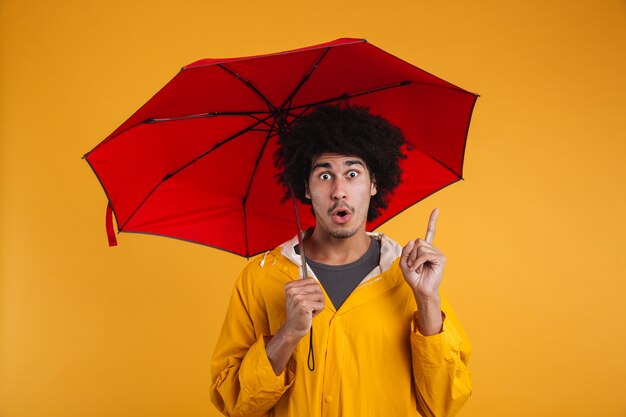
pixel 346 130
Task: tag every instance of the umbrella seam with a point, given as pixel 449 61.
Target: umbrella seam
pixel 169 175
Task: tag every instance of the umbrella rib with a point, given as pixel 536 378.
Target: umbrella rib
pixel 250 85
pixel 459 176
pixel 375 90
pixel 173 119
pixel 256 164
pixel 346 96
pixel 306 107
pixel 297 116
pixel 203 115
pixel 251 114
pixel 264 121
pixel 245 197
pixel 217 145
pixel 304 79
pixel 168 176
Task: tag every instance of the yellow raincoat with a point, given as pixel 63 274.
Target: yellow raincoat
pixel 370 360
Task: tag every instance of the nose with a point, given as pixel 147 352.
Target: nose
pixel 338 191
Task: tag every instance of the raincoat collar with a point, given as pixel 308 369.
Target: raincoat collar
pixel 389 252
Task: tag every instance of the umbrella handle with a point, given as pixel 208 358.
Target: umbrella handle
pixel 311 358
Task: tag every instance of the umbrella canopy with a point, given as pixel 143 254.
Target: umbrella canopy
pixel 196 161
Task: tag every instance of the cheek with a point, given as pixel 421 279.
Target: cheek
pixel 366 194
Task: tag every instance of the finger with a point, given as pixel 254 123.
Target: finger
pixel 432 258
pixel 316 312
pixel 421 247
pixel 307 300
pixel 424 247
pixel 313 296
pixel 301 283
pixel 406 253
pixel 419 264
pixel 414 253
pixel 317 308
pixel 308 290
pixel 310 306
pixel 432 221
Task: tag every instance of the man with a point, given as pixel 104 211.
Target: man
pixel 385 342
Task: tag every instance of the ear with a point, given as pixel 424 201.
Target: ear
pixel 373 189
pixel 307 194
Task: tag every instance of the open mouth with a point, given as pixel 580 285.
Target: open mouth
pixel 341 215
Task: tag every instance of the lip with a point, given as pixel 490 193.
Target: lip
pixel 341 220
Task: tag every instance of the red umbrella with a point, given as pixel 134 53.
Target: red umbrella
pixel 196 161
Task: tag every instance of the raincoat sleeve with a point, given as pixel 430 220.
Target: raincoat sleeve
pixel 442 380
pixel 243 381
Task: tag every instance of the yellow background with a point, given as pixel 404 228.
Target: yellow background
pixel 534 236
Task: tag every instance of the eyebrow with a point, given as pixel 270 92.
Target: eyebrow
pixel 348 163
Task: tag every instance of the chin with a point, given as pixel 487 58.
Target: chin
pixel 342 234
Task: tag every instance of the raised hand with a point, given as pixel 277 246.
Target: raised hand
pixel 422 263
pixel 422 267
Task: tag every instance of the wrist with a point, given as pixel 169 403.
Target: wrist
pixel 280 347
pixel 290 335
pixel 427 300
pixel 429 315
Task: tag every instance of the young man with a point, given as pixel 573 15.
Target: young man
pixel 385 342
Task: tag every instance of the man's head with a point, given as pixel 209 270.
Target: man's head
pixel 341 131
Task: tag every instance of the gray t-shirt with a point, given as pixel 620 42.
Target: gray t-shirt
pixel 340 280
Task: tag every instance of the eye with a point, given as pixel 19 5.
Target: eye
pixel 353 174
pixel 325 176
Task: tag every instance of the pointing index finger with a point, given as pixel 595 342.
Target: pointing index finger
pixel 430 232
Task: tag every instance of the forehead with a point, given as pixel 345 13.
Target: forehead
pixel 335 160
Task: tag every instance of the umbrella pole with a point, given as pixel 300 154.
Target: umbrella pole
pixel 305 274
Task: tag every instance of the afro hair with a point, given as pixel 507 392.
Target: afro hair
pixel 347 130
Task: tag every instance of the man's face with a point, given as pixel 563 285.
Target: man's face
pixel 340 188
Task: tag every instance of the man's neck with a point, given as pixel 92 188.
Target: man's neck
pixel 328 250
